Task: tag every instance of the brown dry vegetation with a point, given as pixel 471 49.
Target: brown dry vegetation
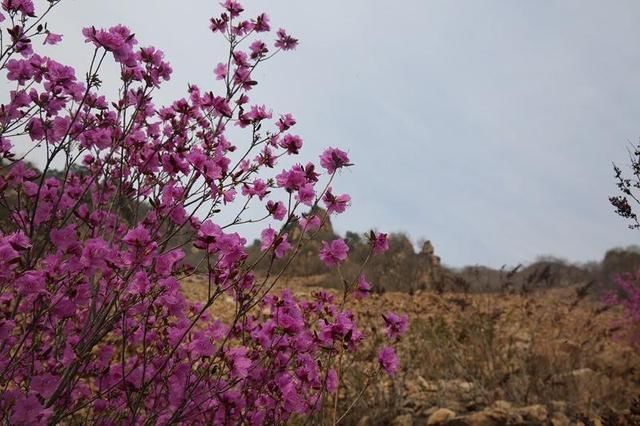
pixel 545 357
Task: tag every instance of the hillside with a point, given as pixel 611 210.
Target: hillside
pixel 549 356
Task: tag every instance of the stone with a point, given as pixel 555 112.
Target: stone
pixel 560 419
pixel 427 386
pixel 596 421
pixel 502 406
pixel 403 420
pixel 482 418
pixel 465 386
pixel 536 413
pixel 440 416
pixel 477 404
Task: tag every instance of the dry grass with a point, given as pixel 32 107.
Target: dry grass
pixel 551 347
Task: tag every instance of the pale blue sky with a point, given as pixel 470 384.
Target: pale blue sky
pixel 488 127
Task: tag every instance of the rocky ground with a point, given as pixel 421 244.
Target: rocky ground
pixel 548 357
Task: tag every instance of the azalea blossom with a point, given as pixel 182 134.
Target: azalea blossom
pixel 395 325
pixel 388 360
pixel 334 252
pixel 333 159
pixel 379 242
pixel 52 38
pixel 309 223
pixel 363 288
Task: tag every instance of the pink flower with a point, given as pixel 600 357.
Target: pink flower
pixel 335 203
pixel 231 248
pixel 229 195
pixel 291 397
pixel 266 157
pixel 268 236
pixel 220 71
pixel 379 242
pixel 259 188
pixel 282 246
pixel 334 252
pixel 243 28
pixel 258 49
pixel 306 194
pixel 23 6
pixel 95 253
pixel 242 77
pixel 31 283
pixel 8 256
pixel 201 346
pixel 219 24
pixel 256 114
pixel 277 209
pixel 233 7
pixel 262 23
pixel 178 215
pixel 291 180
pixel 285 41
pixel 44 384
pixel 333 159
pixel 19 173
pixel 388 360
pixel 174 163
pixel 6 329
pixel 29 411
pixel 64 238
pixel 166 262
pixel 285 122
pixel 310 172
pixel 208 233
pixel 20 70
pixel 342 330
pixel 395 325
pixel 292 143
pixel 19 241
pixel 139 284
pixel 52 38
pixel 238 361
pixel 22 44
pixel 363 288
pixel 309 224
pixel 118 39
pixel 138 237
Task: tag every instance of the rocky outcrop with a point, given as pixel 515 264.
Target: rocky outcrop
pixel 430 274
pixel 398 269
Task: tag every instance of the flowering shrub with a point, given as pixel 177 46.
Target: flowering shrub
pixel 93 325
pixel 627 294
pixel 626 290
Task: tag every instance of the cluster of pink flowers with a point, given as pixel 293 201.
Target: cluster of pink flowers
pixel 92 319
pixel 626 293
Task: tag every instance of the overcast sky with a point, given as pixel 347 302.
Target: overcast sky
pixel 488 127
